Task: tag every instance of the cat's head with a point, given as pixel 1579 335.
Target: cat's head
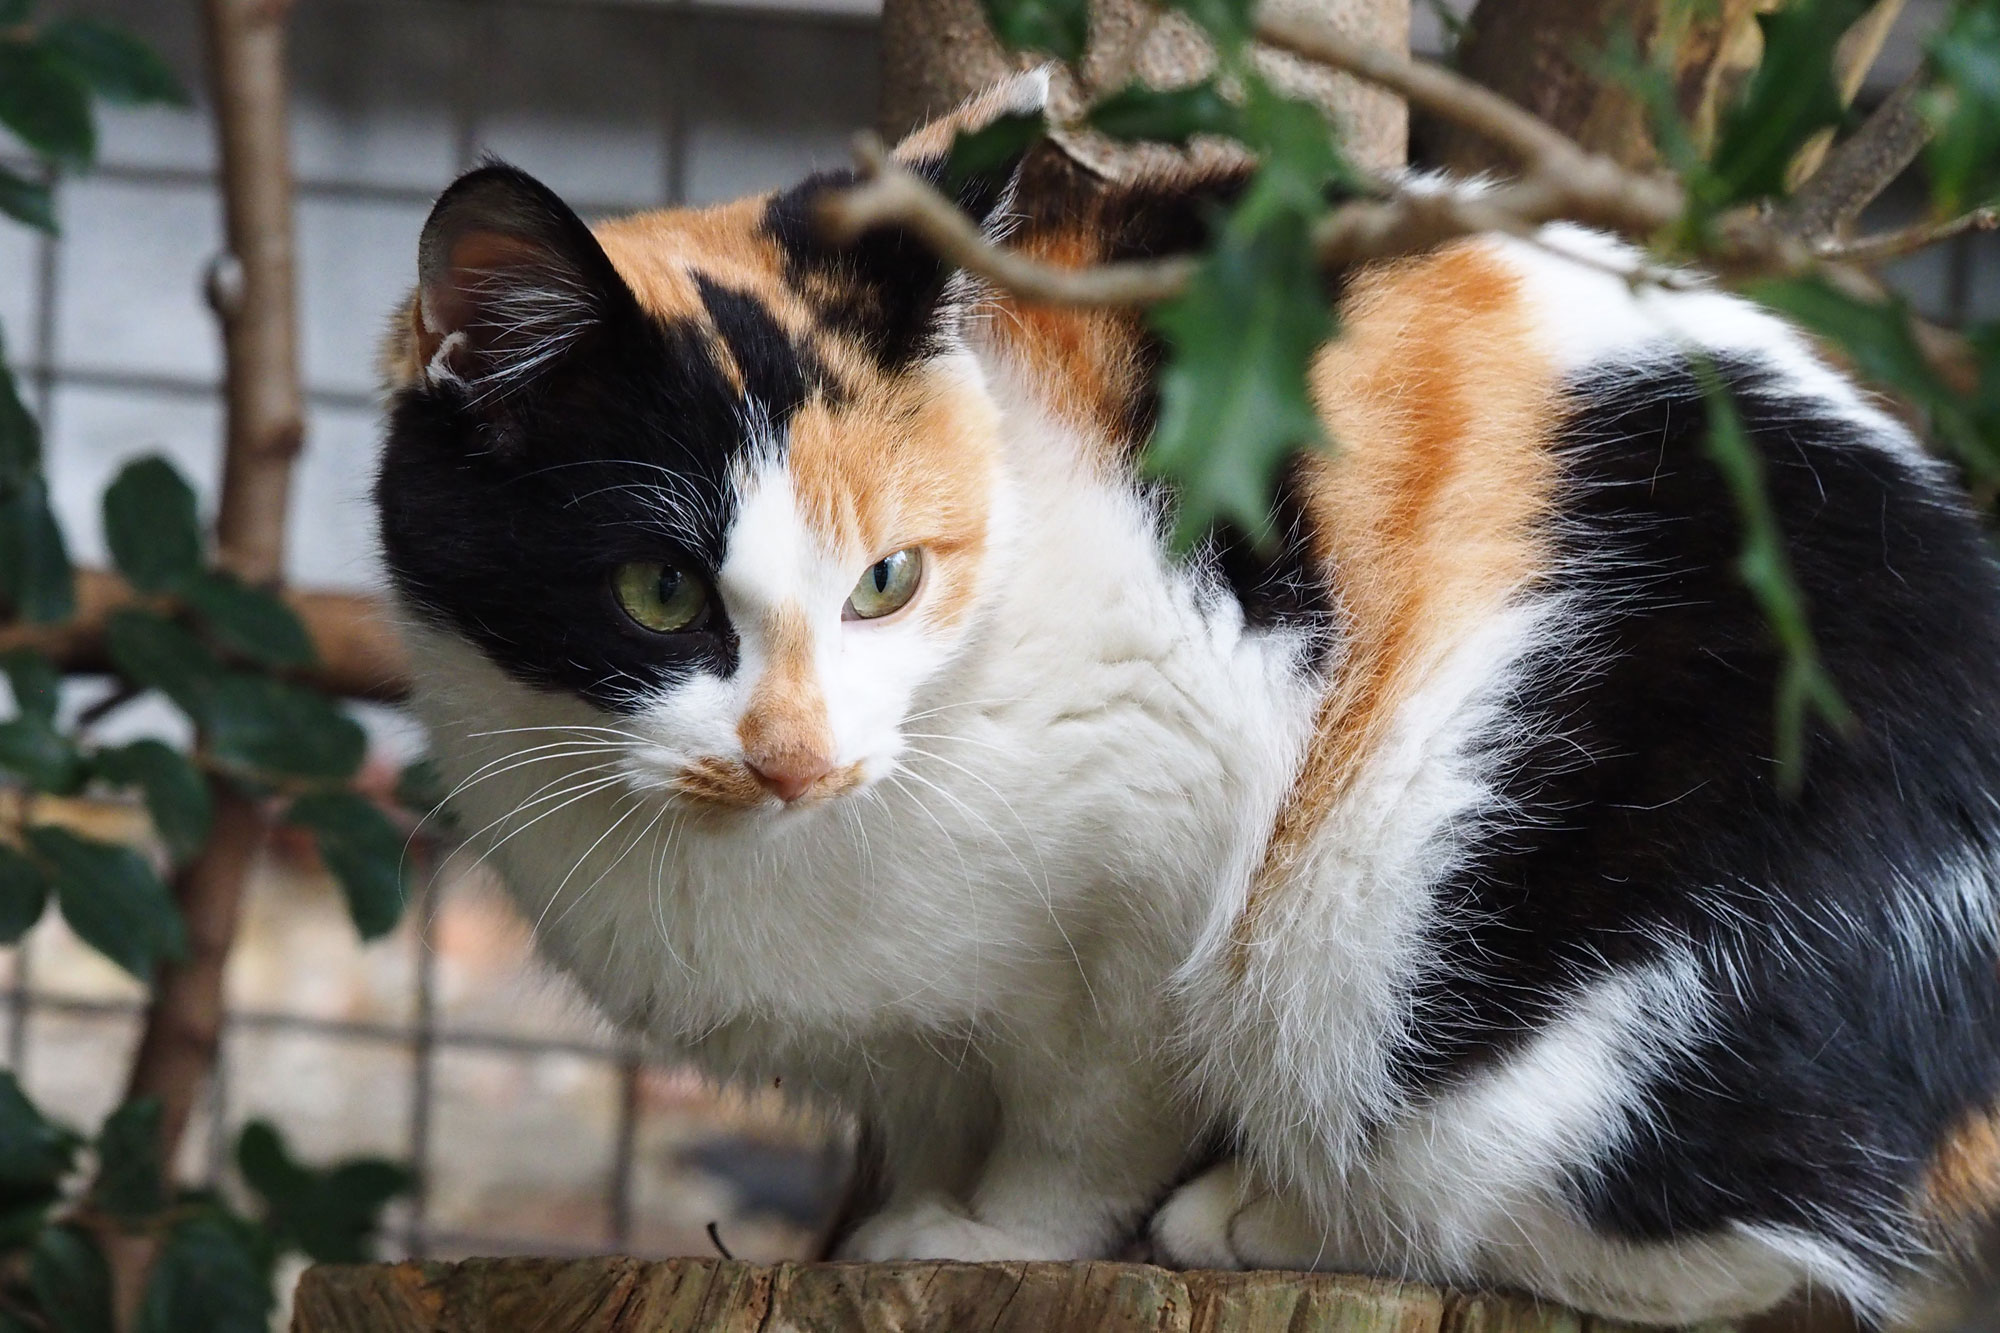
pixel 697 468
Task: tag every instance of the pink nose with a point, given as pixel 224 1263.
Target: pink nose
pixel 790 776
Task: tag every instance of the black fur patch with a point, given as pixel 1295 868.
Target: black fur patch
pixel 504 521
pixel 1648 811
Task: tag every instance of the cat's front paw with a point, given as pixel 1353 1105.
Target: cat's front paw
pixel 1191 1229
pixel 1224 1218
pixel 933 1229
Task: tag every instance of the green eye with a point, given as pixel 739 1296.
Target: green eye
pixel 887 586
pixel 661 597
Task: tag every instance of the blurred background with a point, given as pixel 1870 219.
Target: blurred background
pixel 535 1129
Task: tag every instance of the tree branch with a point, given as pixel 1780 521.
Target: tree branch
pixel 890 194
pixel 1888 245
pixel 246 57
pixel 360 656
pixel 1860 167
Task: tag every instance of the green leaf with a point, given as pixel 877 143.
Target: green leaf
pixel 34 751
pixel 130 1183
pixel 1789 98
pixel 1233 400
pixel 1059 27
pixel 20 437
pixel 364 851
pixel 1166 115
pixel 118 66
pixel 1878 338
pixel 28 201
pixel 153 652
pixel 252 621
pixel 71 1282
pixel 45 103
pixel 35 574
pixel 1964 109
pixel 36 683
pixel 273 726
pixel 992 149
pixel 331 1215
pixel 1766 570
pixel 34 1150
pixel 112 900
pixel 24 892
pixel 420 787
pixel 210 1277
pixel 176 797
pixel 152 525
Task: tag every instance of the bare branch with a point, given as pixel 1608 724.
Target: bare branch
pixel 1860 167
pixel 891 194
pixel 1859 48
pixel 1895 244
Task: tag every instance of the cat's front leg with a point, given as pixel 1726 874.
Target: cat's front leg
pixel 1079 1155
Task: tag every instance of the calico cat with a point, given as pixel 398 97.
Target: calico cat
pixel 1415 896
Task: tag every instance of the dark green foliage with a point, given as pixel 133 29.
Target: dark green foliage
pixel 1964 107
pixel 152 527
pixel 36 684
pixel 34 751
pixel 1233 401
pixel 420 787
pixel 1790 97
pixel 45 104
pixel 35 577
pixel 1170 115
pixel 1057 27
pixel 112 899
pixel 1227 21
pixel 35 1152
pixel 130 1184
pixel 27 201
pixel 211 645
pixel 152 651
pixel 213 1274
pixel 332 1216
pixel 252 622
pixel 269 726
pixel 176 797
pixel 71 1281
pixel 117 66
pixel 981 152
pixel 1877 336
pixel 364 851
pixel 24 892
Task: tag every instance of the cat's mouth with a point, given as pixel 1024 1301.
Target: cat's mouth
pixel 735 785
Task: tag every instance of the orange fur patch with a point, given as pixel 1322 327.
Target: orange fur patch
pixel 786 720
pixel 1961 1186
pixel 1429 510
pixel 907 462
pixel 720 782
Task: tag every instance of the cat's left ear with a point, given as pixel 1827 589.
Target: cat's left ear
pixel 888 288
pixel 509 283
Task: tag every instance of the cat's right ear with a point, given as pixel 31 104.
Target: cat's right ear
pixel 509 283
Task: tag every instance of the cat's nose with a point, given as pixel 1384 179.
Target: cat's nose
pixel 791 776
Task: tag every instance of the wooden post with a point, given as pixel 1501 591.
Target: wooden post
pixel 720 1296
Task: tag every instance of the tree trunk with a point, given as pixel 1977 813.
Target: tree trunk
pixel 1540 54
pixel 937 52
pixel 714 1296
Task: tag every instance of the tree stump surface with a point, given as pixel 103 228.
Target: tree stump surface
pixel 613 1295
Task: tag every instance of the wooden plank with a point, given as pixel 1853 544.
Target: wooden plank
pixel 613 1295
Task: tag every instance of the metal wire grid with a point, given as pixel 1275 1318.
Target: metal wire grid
pixel 423 1036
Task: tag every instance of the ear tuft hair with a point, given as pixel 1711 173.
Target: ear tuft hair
pixel 509 280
